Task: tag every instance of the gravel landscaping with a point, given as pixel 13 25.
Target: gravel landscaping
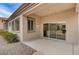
pixel 14 48
pixel 2 41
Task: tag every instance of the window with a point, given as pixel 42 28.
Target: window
pixel 9 24
pixel 31 24
pixel 15 25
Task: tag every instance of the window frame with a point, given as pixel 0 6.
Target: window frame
pixel 31 29
pixel 14 24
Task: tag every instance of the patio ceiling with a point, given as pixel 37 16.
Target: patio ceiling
pixel 48 8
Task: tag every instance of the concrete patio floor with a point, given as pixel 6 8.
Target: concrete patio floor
pixel 53 47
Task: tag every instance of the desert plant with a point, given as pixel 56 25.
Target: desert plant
pixel 10 37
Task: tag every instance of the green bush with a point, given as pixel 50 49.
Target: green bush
pixel 10 37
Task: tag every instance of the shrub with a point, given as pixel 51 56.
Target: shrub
pixel 10 37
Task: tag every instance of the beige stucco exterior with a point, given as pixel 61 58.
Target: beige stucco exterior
pixel 15 32
pixel 68 17
pixel 33 35
pixel 2 24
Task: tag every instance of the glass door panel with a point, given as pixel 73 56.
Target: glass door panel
pixel 45 30
pixel 53 28
pixel 61 30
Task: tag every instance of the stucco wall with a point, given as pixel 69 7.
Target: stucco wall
pixel 31 35
pixel 70 18
pixel 1 25
pixel 12 31
pixel 67 17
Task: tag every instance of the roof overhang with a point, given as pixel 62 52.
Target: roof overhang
pixel 24 7
pixel 49 8
pixel 43 9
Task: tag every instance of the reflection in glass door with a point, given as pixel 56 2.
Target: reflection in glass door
pixel 56 30
pixel 53 29
pixel 61 30
pixel 45 30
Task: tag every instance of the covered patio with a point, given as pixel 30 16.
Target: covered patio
pixel 50 28
pixel 50 43
pixel 56 21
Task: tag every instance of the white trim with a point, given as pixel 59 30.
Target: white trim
pixel 15 18
pixel 32 8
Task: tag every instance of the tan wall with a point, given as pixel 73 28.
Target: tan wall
pixel 1 25
pixel 67 17
pixel 32 35
pixel 14 32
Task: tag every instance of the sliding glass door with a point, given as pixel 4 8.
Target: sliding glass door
pixel 45 30
pixel 55 30
pixel 61 31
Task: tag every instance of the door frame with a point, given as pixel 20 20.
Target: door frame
pixel 49 28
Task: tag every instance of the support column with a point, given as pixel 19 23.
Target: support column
pixel 21 28
pixel 77 11
pixel 75 46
